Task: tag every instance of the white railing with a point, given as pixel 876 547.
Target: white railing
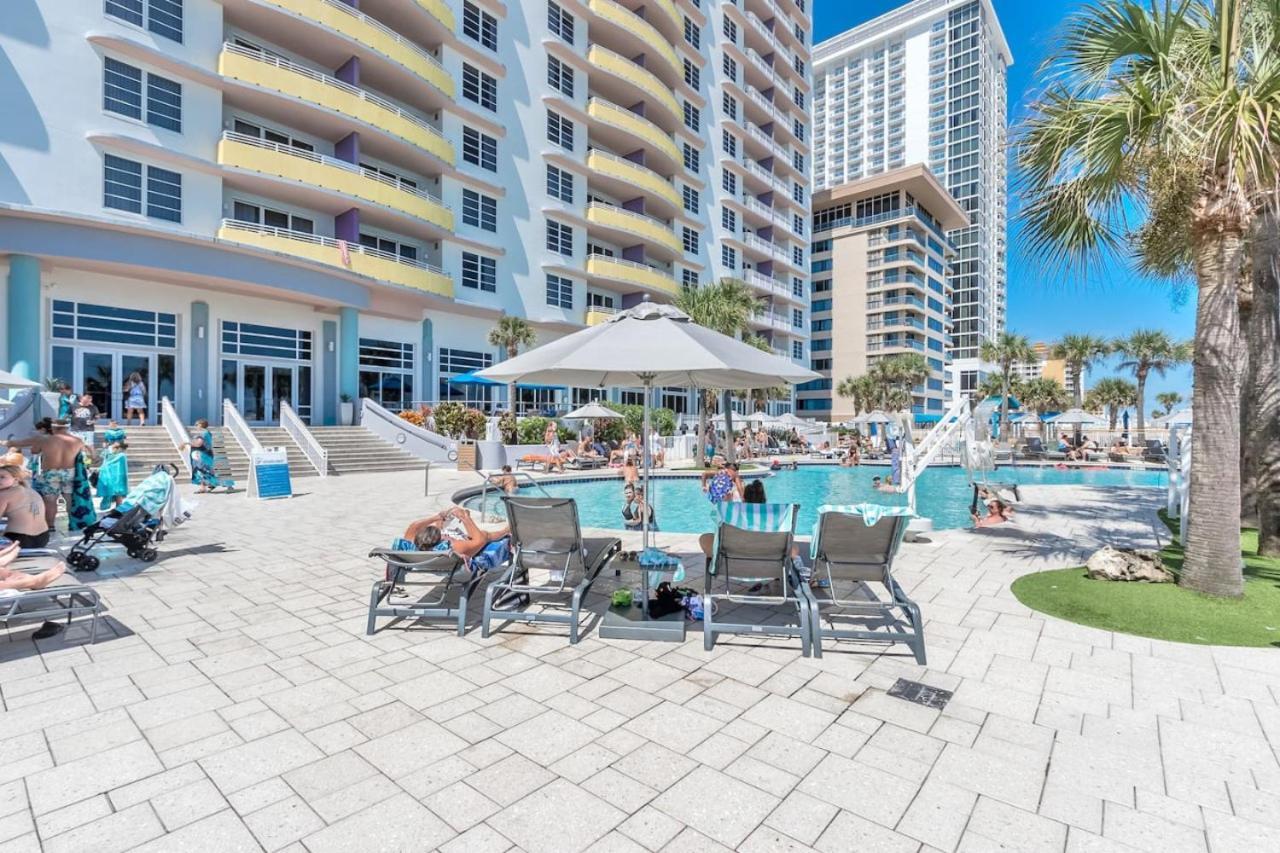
pixel 279 148
pixel 943 434
pixel 626 263
pixel 765 174
pixel 1178 460
pixel 384 29
pixel 302 236
pixel 609 155
pixel 234 423
pixel 641 219
pixel 177 432
pixel 764 66
pixel 307 443
pixel 766 283
pixel 768 35
pixel 621 118
pixel 331 82
pixel 763 245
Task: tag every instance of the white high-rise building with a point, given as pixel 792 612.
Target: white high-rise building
pixel 926 83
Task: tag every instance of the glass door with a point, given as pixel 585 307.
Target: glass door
pixel 282 389
pixel 98 379
pixel 253 393
pixel 129 364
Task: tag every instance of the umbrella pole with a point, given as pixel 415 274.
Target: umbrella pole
pixel 644 453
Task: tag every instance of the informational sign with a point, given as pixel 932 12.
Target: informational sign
pixel 269 473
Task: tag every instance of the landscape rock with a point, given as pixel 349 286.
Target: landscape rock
pixel 1124 564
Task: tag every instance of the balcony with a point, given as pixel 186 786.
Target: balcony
pixel 632 273
pixel 613 218
pixel 597 314
pixel 634 77
pixel 767 284
pixel 761 173
pixel 348 257
pixel 275 74
pixel 636 33
pixel 370 35
pixel 632 176
pixel 766 246
pixel 307 169
pixel 634 128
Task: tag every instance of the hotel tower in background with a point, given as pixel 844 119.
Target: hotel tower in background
pixel 270 201
pixel 926 84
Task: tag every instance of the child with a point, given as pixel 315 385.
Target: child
pixel 113 473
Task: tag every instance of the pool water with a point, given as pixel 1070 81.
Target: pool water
pixel 942 494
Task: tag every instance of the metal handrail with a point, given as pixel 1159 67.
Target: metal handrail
pixel 238 225
pixel 311 448
pixel 331 82
pixel 491 484
pixel 234 422
pixel 334 162
pixel 177 432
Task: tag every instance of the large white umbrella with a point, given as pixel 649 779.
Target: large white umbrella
pixel 1183 417
pixel 790 419
pixel 877 417
pixel 12 380
pixel 649 345
pixel 591 411
pixel 1077 417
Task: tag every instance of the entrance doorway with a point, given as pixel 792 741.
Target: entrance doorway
pixel 102 374
pixel 261 388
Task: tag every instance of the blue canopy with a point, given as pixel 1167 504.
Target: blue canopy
pixel 928 419
pixel 472 379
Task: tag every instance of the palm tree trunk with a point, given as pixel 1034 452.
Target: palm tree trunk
pixel 1004 406
pixel 700 456
pixel 1212 563
pixel 511 398
pixel 1140 408
pixel 729 454
pixel 1262 389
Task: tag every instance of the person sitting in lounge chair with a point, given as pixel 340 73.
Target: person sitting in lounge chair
pixel 452 530
pixel 549 461
pixel 15 583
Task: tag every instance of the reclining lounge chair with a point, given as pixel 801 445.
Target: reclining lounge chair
pixel 443 566
pixel 850 553
pixel 550 559
pixel 65 597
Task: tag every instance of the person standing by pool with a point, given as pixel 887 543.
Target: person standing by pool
pixel 113 472
pixel 135 398
pixel 84 414
pixel 66 399
pixel 202 460
pixel 63 474
pixel 551 438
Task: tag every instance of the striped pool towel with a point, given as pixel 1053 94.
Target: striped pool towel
pixel 871 513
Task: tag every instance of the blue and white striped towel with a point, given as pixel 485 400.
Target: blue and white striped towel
pixel 871 513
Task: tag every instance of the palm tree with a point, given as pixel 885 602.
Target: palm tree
pixel 1080 352
pixel 1262 389
pixel 1168 400
pixel 1006 352
pixel 1167 112
pixel 863 390
pixel 1040 396
pixel 1112 394
pixel 900 373
pixel 726 307
pixel 509 334
pixel 1146 351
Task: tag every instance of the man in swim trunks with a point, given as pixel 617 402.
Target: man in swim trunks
pixel 453 529
pixel 58 452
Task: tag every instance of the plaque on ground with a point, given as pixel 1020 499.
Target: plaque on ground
pixel 921 694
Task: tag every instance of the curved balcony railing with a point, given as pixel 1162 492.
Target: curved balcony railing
pixel 373 34
pixel 632 272
pixel 306 84
pixel 636 125
pixel 352 257
pixel 272 158
pixel 646 32
pixel 619 66
pixel 646 227
pixel 625 170
pixel 439 10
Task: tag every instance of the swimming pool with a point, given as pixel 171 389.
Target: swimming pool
pixel 942 494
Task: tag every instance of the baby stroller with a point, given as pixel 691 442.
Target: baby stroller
pixel 138 524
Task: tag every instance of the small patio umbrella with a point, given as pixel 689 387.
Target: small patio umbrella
pixel 1183 417
pixel 1076 417
pixel 591 411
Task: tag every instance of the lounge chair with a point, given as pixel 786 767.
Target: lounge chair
pixel 443 566
pixel 550 559
pixel 65 597
pixel 847 551
pixel 1032 448
pixel 1154 452
pixel 753 548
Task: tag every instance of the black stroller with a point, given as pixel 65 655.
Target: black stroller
pixel 137 524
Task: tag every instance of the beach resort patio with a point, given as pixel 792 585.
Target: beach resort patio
pixel 233 702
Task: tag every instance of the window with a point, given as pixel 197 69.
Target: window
pixel 246 212
pixel 122 87
pixel 479 272
pixel 691 74
pixel 560 76
pixel 479 149
pixel 692 34
pixel 797 223
pixel 394 248
pixel 797 287
pixel 729 220
pixel 729 181
pixel 688 279
pixel 797 193
pixel 797 318
pixel 455 362
pixel 479 210
pixel 122 189
pixel 559 184
pixel 690 157
pixel 728 257
pixel 730 67
pixel 729 142
pixel 560 238
pixel 559 291
pixel 386 372
pixel 162 17
pixel 797 349
pixel 798 65
pixel 270 135
pixel 797 129
pixel 730 106
pixel 559 130
pixel 797 160
pixel 690 199
pixel 478 25
pixel 797 96
pixel 820 305
pixel 730 30
pixel 797 256
pixel 690 240
pixel 559 21
pixel 691 116
pixel 479 87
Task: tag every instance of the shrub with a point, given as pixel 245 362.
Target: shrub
pixel 508 426
pixel 451 419
pixel 413 417
pixel 474 422
pixel 531 429
pixel 663 420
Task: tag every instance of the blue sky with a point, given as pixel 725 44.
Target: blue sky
pixel 1045 306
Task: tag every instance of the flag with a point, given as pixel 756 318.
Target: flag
pixel 345 252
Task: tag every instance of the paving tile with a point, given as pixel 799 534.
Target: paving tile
pixel 557 818
pixel 220 833
pixel 716 805
pixel 460 806
pixel 938 814
pixel 1148 832
pixel 122 830
pixel 848 832
pixel 650 828
pixel 790 717
pixel 802 817
pixel 478 839
pixel 259 760
pixel 882 706
pixel 72 816
pixel 405 750
pixel 548 737
pixel 619 790
pixel 1013 828
pixel 281 824
pixel 860 788
pixel 94 774
pixel 995 777
pixel 510 779
pixel 674 726
pixel 189 803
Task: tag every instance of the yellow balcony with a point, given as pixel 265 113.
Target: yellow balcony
pixel 674 18
pixel 282 161
pixel 358 259
pixel 378 37
pixel 624 69
pixel 645 32
pixel 631 272
pixel 636 126
pixel 271 72
pixel 439 10
pixel 613 166
pixel 646 227
pixel 596 316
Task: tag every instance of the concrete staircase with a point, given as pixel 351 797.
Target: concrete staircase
pixel 356 450
pixel 299 465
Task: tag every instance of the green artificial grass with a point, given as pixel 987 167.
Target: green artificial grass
pixel 1165 611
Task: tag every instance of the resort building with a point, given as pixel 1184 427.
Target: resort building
pixel 304 201
pixel 926 83
pixel 880 289
pixel 1045 366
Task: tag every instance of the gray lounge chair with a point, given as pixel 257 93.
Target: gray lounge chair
pixel 744 562
pixel 1154 452
pixel 550 558
pixel 442 565
pixel 850 553
pixel 65 597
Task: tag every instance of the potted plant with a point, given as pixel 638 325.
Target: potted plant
pixel 346 410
